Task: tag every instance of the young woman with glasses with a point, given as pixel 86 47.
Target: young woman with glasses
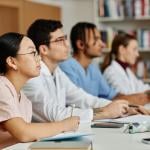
pixel 19 62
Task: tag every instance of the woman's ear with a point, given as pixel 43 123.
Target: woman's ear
pixel 80 44
pixel 11 62
pixel 121 50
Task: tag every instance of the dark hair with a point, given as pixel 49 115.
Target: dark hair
pixel 9 46
pixel 40 31
pixel 78 32
pixel 120 39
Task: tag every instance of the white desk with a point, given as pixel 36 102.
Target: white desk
pixel 115 139
pixel 107 139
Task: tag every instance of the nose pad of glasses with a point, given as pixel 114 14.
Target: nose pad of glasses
pixel 38 58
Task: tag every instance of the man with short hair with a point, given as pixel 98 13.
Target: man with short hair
pixel 87 45
pixel 52 93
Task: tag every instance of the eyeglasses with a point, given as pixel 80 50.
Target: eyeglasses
pixel 59 40
pixel 35 53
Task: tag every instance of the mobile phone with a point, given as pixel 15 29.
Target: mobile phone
pixel 146 140
pixel 107 125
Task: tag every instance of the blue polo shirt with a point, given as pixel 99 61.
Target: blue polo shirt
pixel 91 80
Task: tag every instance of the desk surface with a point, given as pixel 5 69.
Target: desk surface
pixel 115 139
pixel 107 139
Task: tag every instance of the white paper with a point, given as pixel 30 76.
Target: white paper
pixel 129 119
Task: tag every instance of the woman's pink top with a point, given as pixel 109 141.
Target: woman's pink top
pixel 11 107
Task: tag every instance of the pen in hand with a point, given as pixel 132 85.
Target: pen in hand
pixel 72 107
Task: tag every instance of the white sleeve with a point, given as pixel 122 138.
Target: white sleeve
pixel 80 98
pixel 46 108
pixel 115 80
pixel 118 81
pixel 140 85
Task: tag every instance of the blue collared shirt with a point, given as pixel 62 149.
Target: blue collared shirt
pixel 91 80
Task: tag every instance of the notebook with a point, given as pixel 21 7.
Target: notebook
pixel 80 144
pixel 67 135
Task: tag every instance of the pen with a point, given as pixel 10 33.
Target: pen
pixel 72 106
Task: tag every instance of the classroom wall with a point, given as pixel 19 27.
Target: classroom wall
pixel 73 11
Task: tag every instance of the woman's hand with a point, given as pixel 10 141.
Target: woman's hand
pixel 71 123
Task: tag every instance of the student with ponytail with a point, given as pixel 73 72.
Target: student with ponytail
pixel 116 67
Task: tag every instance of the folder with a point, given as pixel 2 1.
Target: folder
pixel 81 144
pixel 67 135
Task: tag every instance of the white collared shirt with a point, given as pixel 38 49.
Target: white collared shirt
pixel 124 81
pixel 51 100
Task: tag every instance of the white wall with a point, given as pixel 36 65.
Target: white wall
pixel 73 11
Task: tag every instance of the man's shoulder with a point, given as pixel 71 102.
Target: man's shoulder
pixel 68 63
pixel 94 68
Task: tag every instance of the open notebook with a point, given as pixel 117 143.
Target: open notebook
pixel 129 119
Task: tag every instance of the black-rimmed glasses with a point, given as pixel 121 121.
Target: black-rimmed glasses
pixel 35 53
pixel 58 40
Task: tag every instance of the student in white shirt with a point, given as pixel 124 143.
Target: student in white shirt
pixel 124 53
pixel 52 92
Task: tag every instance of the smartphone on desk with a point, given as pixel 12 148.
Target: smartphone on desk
pixel 107 125
pixel 146 140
